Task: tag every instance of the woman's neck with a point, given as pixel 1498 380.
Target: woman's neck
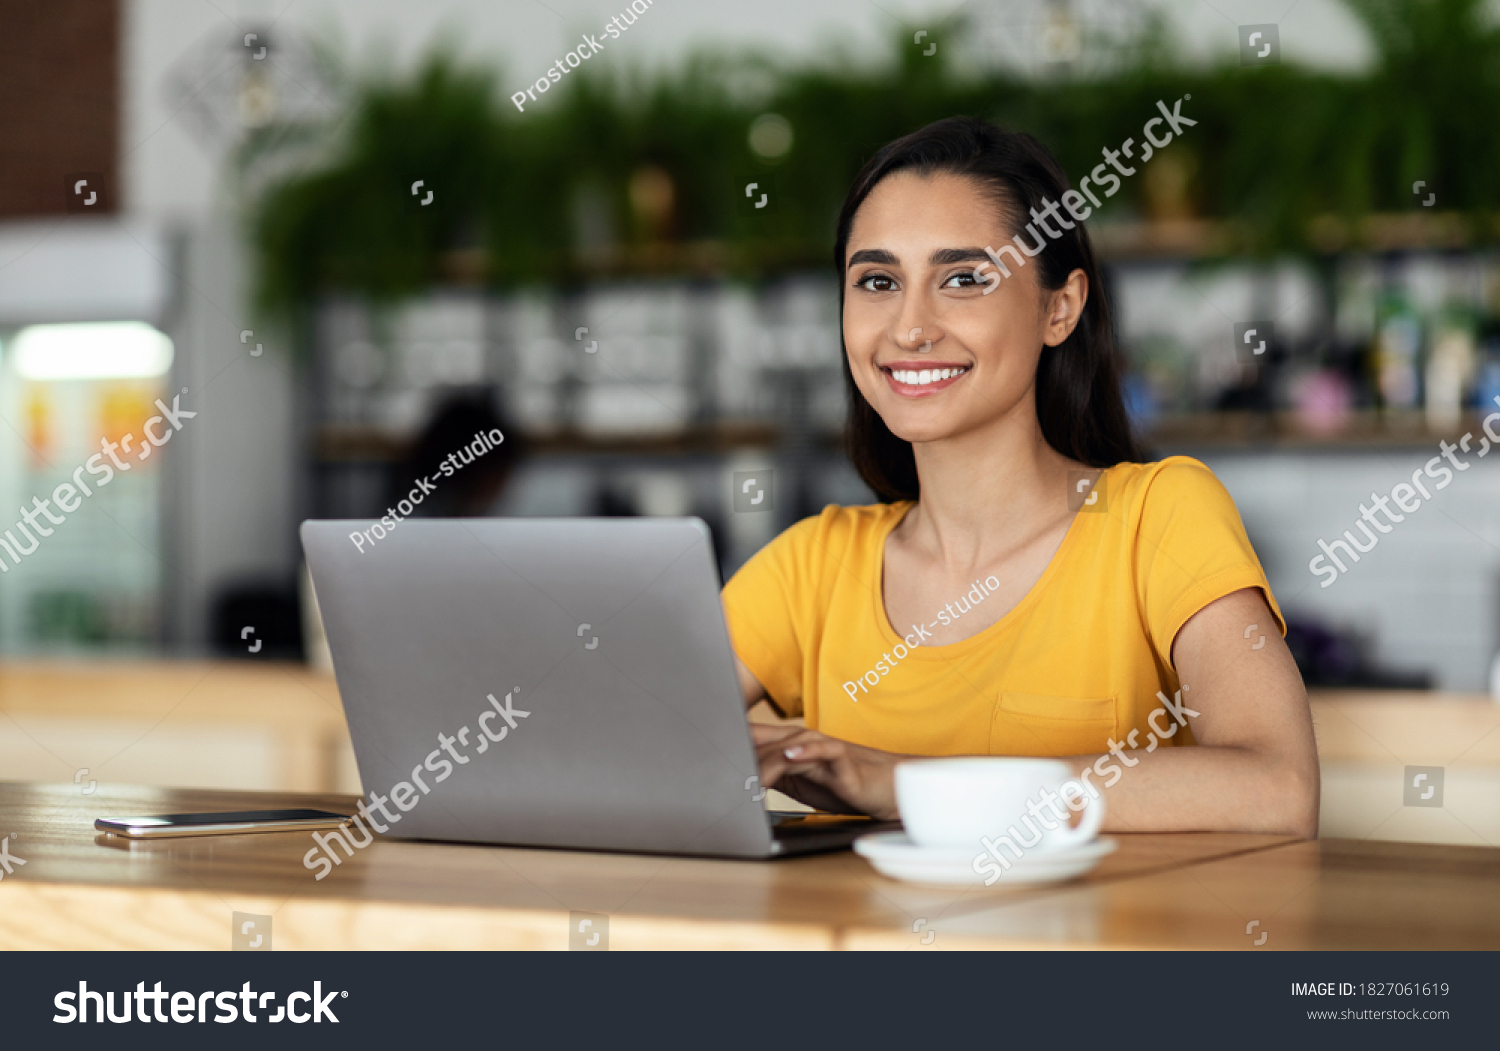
pixel 987 490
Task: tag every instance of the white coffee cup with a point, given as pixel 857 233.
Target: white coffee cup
pixel 954 802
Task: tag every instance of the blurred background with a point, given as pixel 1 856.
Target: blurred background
pixel 328 228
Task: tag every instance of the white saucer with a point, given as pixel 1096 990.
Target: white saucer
pixel 894 854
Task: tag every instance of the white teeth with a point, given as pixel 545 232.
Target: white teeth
pixel 913 377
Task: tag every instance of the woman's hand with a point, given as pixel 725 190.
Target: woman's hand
pixel 827 773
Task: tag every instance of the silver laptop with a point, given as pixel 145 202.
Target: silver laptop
pixel 550 683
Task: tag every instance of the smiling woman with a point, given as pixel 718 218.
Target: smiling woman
pixel 980 421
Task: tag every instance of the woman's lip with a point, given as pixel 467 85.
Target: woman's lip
pixel 921 364
pixel 913 390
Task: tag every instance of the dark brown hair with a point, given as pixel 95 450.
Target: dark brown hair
pixel 1078 400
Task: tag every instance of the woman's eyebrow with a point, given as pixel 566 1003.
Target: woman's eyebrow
pixel 874 255
pixel 946 256
pixel 940 257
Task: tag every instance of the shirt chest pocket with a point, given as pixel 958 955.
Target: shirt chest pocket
pixel 1039 725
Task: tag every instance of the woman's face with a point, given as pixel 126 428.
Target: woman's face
pixel 914 247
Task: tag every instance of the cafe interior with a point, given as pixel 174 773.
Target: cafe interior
pixel 204 210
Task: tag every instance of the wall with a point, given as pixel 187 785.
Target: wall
pixel 59 108
pixel 1429 592
pixel 231 511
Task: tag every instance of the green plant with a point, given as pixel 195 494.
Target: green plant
pixel 1274 148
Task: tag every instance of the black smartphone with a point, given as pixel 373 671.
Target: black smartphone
pixel 228 823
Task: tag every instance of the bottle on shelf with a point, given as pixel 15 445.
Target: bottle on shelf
pixel 1398 344
pixel 1449 373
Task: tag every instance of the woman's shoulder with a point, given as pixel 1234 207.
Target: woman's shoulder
pixel 1162 484
pixel 803 554
pixel 842 526
pixel 1177 503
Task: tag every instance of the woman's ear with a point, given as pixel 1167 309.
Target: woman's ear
pixel 1064 308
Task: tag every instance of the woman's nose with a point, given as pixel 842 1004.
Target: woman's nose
pixel 920 339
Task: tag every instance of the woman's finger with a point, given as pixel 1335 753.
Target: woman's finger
pixel 815 795
pixel 772 766
pixel 763 732
pixel 807 761
pixel 810 747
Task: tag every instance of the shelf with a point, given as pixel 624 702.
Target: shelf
pixel 1282 431
pixel 1252 432
pixel 1418 230
pixel 351 444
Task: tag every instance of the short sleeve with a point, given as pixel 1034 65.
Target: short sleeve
pixel 766 606
pixel 1191 550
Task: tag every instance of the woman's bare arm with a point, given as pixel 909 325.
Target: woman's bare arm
pixel 750 686
pixel 1256 767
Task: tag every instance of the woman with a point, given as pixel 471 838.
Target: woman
pixel 1062 598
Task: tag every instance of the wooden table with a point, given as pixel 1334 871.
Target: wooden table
pixel 78 890
pixel 257 725
pixel 279 727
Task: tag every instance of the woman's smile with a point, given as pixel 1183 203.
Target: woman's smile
pixel 911 382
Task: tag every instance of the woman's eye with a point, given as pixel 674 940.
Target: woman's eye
pixel 876 283
pixel 967 279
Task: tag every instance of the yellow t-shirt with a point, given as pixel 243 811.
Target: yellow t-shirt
pixel 1078 661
